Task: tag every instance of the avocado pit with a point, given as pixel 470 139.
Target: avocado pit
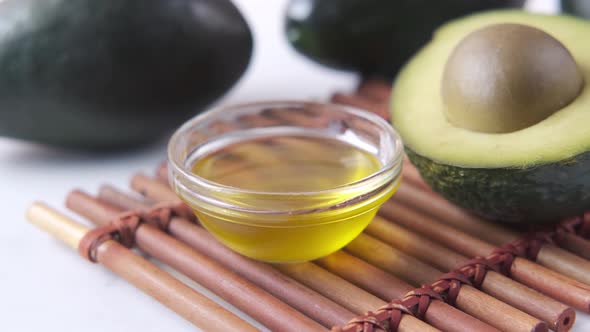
pixel 507 77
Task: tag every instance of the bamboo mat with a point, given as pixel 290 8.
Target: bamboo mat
pixel 422 265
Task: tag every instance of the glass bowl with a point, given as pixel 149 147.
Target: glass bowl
pixel 277 225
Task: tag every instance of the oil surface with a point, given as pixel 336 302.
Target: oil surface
pixel 283 165
pixel 287 164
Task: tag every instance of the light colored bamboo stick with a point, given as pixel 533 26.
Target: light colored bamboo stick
pixel 243 294
pixel 183 300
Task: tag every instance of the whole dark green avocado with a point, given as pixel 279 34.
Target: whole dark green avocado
pixel 373 37
pixel 114 73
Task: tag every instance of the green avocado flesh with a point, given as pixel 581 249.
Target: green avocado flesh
pixel 536 174
pixel 114 73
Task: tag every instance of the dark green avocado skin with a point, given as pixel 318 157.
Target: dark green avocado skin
pixel 539 194
pixel 104 74
pixel 373 37
pixel 576 7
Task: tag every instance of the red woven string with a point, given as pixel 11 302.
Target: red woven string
pixel 476 269
pixel 449 285
pixel 474 272
pixel 418 300
pixel 123 227
pixel 386 318
pixel 579 225
pixel 366 323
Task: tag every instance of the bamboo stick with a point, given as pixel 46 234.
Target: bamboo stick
pixel 122 200
pixel 154 190
pixel 550 256
pixel 575 244
pixel 162 172
pixel 377 90
pixel 183 300
pixel 392 260
pixel 439 208
pixel 564 262
pixel 246 296
pixel 415 245
pixel 559 316
pixel 560 287
pixel 411 174
pixel 364 275
pixel 333 287
pixel 387 287
pixel 470 300
pixel 287 289
pixel 433 229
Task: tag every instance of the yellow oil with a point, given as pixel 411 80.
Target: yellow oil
pixel 288 166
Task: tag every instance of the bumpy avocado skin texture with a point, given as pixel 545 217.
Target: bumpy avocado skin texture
pixel 373 37
pixel 114 73
pixel 540 194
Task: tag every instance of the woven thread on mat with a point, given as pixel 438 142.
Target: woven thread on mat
pixel 123 227
pixel 473 273
pixel 579 225
pixel 388 317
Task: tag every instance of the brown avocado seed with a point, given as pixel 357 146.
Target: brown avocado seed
pixel 507 77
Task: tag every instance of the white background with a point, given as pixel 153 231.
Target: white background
pixel 45 285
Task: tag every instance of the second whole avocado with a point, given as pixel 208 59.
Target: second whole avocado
pixel 373 37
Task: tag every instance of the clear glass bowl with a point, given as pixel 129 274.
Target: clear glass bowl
pixel 285 226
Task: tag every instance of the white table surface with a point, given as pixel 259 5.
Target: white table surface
pixel 46 286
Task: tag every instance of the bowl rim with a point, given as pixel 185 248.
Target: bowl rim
pixel 389 170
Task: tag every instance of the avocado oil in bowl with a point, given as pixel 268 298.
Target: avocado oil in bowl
pixel 285 181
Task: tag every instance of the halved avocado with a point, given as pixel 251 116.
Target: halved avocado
pixel 538 173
